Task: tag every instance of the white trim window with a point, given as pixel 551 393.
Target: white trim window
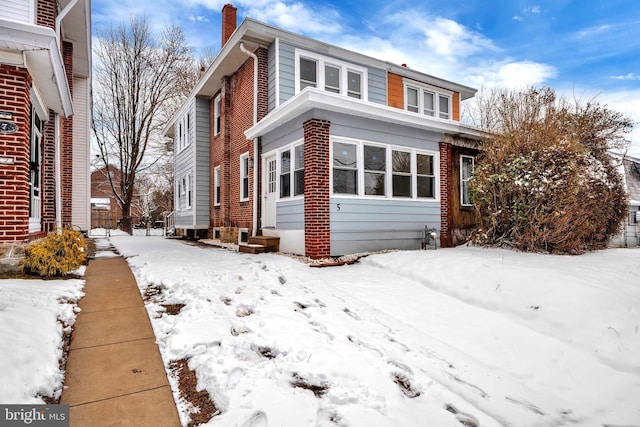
pixel 345 168
pixel 372 170
pixel 244 177
pixel 216 186
pixel 217 111
pixel 183 130
pixel 291 171
pixel 329 74
pixel 427 100
pixel 467 165
pixel 189 191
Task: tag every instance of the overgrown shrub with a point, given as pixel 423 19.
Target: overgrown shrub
pixel 546 181
pixel 57 254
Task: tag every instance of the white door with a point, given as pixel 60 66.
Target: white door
pixel 270 193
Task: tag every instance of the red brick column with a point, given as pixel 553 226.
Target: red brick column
pixel 317 224
pixel 67 143
pixel 446 219
pixel 15 86
pixel 48 174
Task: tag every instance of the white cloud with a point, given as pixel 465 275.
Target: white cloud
pixel 629 76
pixel 198 18
pixel 532 9
pixel 511 74
pixel 518 18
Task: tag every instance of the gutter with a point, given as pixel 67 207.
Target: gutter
pixel 255 140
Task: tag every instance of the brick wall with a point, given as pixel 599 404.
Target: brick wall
pixel 48 176
pixel 445 196
pixel 46 13
pixel 67 142
pixel 227 147
pixel 317 225
pixel 15 83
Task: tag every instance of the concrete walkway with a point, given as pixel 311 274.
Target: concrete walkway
pixel 115 375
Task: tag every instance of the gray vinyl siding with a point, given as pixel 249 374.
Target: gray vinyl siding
pixel 271 70
pixel 361 225
pixel 202 152
pixel 377 78
pixel 287 72
pixel 194 159
pixel 377 86
pixel 290 214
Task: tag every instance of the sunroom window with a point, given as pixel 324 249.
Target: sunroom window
pixel 345 168
pixel 332 79
pixel 426 177
pixel 285 173
pixel 466 170
pixel 374 170
pixel 298 174
pixel 401 166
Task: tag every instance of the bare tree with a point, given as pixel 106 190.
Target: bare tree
pixel 139 81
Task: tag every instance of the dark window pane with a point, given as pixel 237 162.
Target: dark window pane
pixel 285 185
pixel 298 178
pixel 285 162
pixel 402 185
pixel 332 79
pixel 426 186
pixel 308 73
pixel 217 201
pixel 245 188
pixel 374 184
pixel 344 155
pixel 345 181
pixel 354 85
pixel 374 158
pixel 425 164
pixel 401 161
pixel 299 150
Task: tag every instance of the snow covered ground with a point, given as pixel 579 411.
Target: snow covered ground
pixel 465 336
pixel 32 314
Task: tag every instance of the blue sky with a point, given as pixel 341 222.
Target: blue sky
pixel 582 49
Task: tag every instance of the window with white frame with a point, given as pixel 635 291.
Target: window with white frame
pixel 292 171
pixel 378 170
pixel 345 168
pixel 375 168
pixel 425 176
pixel 216 115
pixel 428 100
pixel 298 170
pixel 244 177
pixel 466 171
pixel 401 173
pixel 285 173
pixel 313 70
pixel 189 191
pixel 216 186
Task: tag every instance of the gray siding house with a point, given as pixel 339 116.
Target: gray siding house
pixel 344 153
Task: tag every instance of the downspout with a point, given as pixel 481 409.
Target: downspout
pixel 62 15
pixel 255 140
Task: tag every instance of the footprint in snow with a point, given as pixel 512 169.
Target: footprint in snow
pixel 351 313
pixel 257 419
pixel 466 420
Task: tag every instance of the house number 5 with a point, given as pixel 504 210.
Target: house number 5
pixel 338 206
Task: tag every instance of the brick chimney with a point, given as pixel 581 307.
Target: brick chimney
pixel 229 18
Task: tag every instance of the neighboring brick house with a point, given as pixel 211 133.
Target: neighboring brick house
pixel 45 63
pixel 330 150
pixel 105 210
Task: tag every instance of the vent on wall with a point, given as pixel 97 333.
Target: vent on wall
pixel 243 235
